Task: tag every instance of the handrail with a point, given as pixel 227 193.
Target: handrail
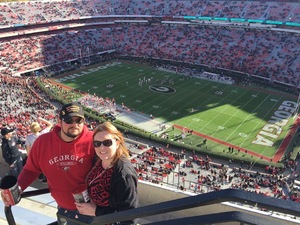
pixel 27 194
pixel 9 216
pixel 233 195
pixel 217 218
pixel 245 197
pixel 7 209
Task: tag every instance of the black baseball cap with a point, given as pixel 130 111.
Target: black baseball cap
pixel 71 109
pixel 5 131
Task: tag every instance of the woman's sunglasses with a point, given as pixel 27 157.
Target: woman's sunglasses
pixel 69 120
pixel 106 143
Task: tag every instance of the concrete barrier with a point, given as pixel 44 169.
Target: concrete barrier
pixel 152 193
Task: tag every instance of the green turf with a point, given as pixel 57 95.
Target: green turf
pixel 226 112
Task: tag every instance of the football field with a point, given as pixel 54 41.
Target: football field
pixel 254 119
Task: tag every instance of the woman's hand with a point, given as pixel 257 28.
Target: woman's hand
pixel 86 208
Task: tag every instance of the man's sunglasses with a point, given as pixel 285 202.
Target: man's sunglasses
pixel 106 143
pixel 69 120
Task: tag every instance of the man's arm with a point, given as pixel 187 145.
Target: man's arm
pixel 25 178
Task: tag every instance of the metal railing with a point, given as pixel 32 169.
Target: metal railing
pixel 216 197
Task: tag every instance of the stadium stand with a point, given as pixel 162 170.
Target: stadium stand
pixel 254 51
pixel 46 11
pixel 270 54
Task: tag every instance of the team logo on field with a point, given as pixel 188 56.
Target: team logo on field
pixel 162 89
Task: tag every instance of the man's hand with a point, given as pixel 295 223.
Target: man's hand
pixel 5 201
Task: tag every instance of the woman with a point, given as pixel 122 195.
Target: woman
pixel 112 182
pixel 36 131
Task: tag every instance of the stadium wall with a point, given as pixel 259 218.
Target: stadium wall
pixel 151 194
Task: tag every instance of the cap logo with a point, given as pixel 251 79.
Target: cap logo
pixel 73 108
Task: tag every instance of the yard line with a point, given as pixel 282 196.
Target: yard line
pixel 203 102
pixel 188 95
pixel 221 112
pixel 207 100
pixel 249 115
pixel 260 123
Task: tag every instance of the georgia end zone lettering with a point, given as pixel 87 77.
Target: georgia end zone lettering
pixel 75 75
pixel 271 131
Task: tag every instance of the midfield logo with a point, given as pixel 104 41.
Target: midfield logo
pixel 162 89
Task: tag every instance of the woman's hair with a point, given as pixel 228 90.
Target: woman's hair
pixel 110 128
pixel 35 127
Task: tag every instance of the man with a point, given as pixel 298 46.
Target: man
pixel 10 151
pixel 64 155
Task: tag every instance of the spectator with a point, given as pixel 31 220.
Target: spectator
pixel 112 182
pixel 36 130
pixel 10 151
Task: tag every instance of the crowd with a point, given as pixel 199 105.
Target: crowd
pixel 183 44
pixel 45 50
pixel 20 105
pixel 202 174
pixel 249 56
pixel 217 47
pixel 45 11
pixel 99 104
